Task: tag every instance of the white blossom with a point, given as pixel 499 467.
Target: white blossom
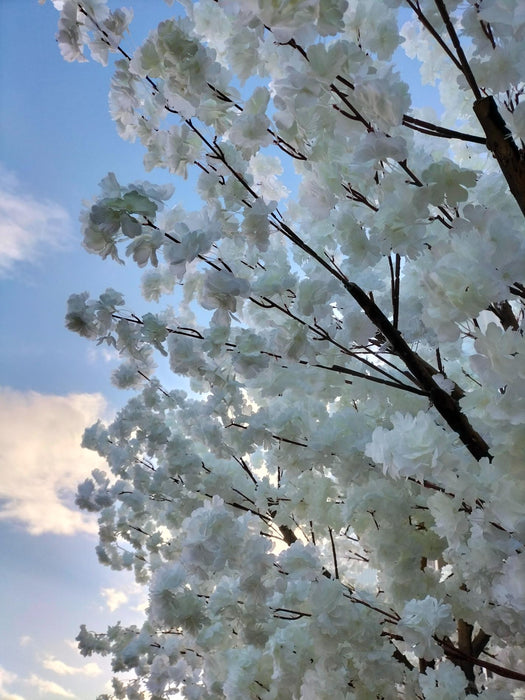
pixel 421 620
pixel 333 506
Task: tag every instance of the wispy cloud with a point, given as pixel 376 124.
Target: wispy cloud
pixel 129 594
pixel 114 598
pixel 42 461
pixel 46 688
pixel 96 354
pixel 90 669
pixel 7 678
pixel 29 227
pixel 59 4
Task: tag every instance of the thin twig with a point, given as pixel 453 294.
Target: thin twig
pixel 464 64
pixel 445 404
pixel 414 4
pixel 334 553
pixel 440 131
pixel 394 285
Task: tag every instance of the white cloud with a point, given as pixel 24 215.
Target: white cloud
pixel 53 664
pixel 6 678
pixel 25 640
pixel 59 4
pixel 42 461
pixel 142 606
pixel 130 594
pixel 29 227
pixel 114 598
pixel 96 354
pixel 47 688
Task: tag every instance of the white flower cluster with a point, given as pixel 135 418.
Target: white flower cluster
pixel 335 508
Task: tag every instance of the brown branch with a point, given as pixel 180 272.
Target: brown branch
pixel 245 468
pixel 510 158
pixel 464 630
pixel 288 534
pixel 377 380
pixel 394 283
pixel 518 289
pixel 408 121
pixel 479 642
pixel 275 437
pixel 145 376
pixel 464 64
pixel 334 553
pixel 359 197
pixel 278 141
pixel 444 403
pixel 286 147
pixel 414 4
pixel 322 334
pixel 453 652
pixel 391 616
pixel 418 183
pixel 398 656
pixel 440 131
pixel 286 614
pixel 499 139
pixel 355 112
pixel 503 310
pixel 487 31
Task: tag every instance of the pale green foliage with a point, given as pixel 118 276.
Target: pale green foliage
pixel 335 508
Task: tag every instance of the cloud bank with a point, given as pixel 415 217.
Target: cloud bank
pixel 42 460
pixel 51 663
pixel 7 678
pixel 29 227
pixel 114 598
pixel 46 687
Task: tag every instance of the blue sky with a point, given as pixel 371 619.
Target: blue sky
pixel 57 142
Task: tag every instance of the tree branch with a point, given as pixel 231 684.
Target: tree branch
pixel 453 652
pixel 440 131
pixel 444 403
pixel 414 4
pixel 499 139
pixel 464 65
pixel 334 553
pixel 510 158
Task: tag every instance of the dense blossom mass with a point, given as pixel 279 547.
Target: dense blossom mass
pixel 327 499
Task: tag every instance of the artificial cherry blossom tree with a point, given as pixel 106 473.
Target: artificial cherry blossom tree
pixel 334 505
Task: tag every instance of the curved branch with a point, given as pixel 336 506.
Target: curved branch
pixel 445 404
pixel 464 65
pixel 414 5
pixel 440 131
pixel 453 653
pixel 510 158
pixel 499 139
